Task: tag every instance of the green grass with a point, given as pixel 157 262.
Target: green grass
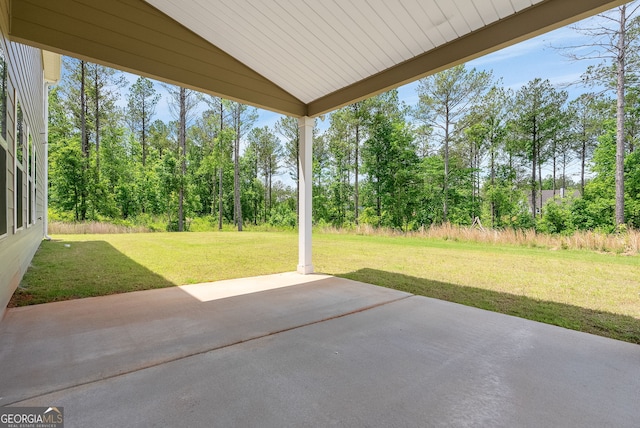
pixel 581 290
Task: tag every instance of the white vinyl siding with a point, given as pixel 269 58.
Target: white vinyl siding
pixel 21 161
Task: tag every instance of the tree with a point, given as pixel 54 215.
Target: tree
pixel 339 168
pixel 632 118
pixel 222 109
pixel 560 143
pixel 267 149
pixel 391 163
pixel 75 100
pixel 159 134
pixel 586 118
pixel 614 41
pixel 321 162
pixel 488 128
pixel 104 86
pixel 141 107
pixel 243 117
pixel 287 128
pixel 536 109
pixel 183 103
pixel 444 99
pixel 68 182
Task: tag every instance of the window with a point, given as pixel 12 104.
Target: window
pixel 4 224
pixel 3 189
pixel 19 191
pixel 19 136
pixel 30 168
pixel 19 208
pixel 34 196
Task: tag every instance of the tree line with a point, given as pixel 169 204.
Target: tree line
pixel 469 150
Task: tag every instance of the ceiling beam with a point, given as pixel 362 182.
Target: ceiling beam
pixel 536 20
pixel 134 36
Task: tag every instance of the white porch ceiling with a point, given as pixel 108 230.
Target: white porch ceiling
pixel 297 57
pixel 314 48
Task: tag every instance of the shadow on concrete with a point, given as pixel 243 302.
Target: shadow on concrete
pixel 66 270
pixel 55 346
pixel 615 326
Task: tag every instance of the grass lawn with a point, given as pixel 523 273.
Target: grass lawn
pixel 581 290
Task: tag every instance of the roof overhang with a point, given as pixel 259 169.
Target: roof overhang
pixel 134 36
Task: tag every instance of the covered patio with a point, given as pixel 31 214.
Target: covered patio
pixel 308 350
pixel 301 349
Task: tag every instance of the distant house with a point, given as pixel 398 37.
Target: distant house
pixel 544 196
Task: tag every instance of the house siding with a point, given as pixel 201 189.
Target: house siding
pixel 26 85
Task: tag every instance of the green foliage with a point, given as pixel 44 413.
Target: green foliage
pixel 391 162
pixel 632 189
pixel 69 177
pixel 557 217
pixel 283 216
pixel 474 151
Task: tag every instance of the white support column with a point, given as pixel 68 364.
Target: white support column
pixel 305 176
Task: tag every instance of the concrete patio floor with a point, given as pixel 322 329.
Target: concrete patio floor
pixel 290 350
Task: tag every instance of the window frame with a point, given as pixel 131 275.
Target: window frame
pixel 31 214
pixel 5 187
pixel 19 167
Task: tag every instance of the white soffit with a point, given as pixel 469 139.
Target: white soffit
pixel 312 48
pixel 52 63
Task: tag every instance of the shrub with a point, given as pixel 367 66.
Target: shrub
pixel 557 217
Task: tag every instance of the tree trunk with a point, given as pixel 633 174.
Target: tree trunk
pixel 85 141
pixel 445 186
pixel 493 182
pixel 213 192
pixel 266 194
pixel 221 172
pixel 533 189
pixel 620 119
pixel 97 113
pixel 83 109
pixel 533 177
pixel 220 195
pixel 182 137
pixel 255 197
pixel 554 174
pixel 236 174
pixel 564 172
pixel 583 161
pixel 356 190
pixel 143 133
pixel 540 176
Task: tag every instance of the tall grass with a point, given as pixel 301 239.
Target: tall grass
pixel 627 243
pixel 92 227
